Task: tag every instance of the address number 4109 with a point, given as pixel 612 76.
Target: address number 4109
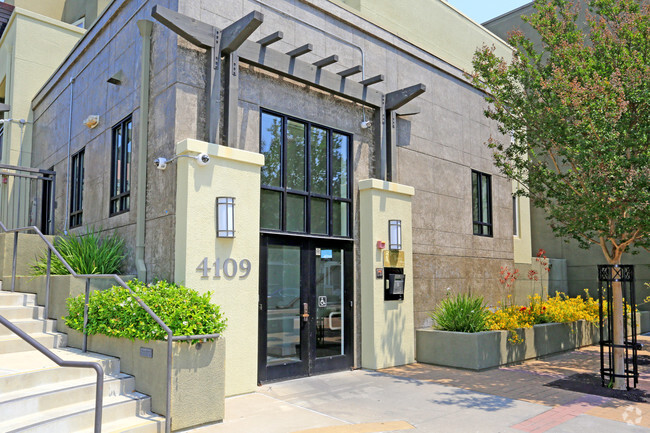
pixel 230 267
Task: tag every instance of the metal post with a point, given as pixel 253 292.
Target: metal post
pixel 13 266
pixel 99 399
pixel 47 283
pixel 168 415
pixel 85 342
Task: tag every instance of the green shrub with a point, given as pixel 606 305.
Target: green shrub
pixel 463 313
pixel 114 312
pixel 86 253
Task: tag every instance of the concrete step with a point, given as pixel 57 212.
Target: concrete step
pixel 31 326
pixel 80 416
pixel 17 299
pixel 21 312
pixel 13 343
pixel 23 371
pixel 149 423
pixel 55 395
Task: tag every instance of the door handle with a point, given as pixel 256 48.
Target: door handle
pixel 305 312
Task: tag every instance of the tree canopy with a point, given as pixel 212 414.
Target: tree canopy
pixel 578 112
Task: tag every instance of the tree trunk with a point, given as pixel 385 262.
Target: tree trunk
pixel 619 332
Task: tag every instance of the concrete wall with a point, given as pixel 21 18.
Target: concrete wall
pixel 67 11
pixel 387 326
pixel 230 173
pixel 114 44
pixel 31 48
pixel 432 25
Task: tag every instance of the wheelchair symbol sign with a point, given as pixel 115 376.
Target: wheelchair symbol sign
pixel 322 301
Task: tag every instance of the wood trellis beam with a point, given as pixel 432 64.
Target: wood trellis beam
pixel 235 34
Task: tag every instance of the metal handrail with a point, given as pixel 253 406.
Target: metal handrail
pixel 170 337
pixel 99 388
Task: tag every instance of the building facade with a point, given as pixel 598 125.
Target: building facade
pixel 351 152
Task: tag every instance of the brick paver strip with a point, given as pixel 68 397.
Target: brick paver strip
pixel 560 414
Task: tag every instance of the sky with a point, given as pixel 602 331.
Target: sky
pixel 482 10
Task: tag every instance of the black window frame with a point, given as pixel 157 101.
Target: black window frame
pixel 77 172
pixel 481 221
pixel 308 194
pixel 122 197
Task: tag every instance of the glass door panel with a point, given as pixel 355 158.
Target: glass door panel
pixel 283 305
pixel 329 303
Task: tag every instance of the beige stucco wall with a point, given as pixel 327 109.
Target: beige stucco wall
pixel 432 25
pixel 522 242
pixel 231 173
pixel 31 48
pixel 387 327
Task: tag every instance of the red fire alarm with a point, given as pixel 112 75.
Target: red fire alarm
pixel 5 179
pixel 381 245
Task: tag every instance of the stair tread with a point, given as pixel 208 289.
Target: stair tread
pixel 62 385
pixel 27 421
pixel 131 423
pixel 20 362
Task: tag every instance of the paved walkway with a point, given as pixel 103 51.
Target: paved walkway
pixel 425 398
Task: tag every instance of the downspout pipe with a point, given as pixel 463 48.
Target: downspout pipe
pixel 145 27
pixel 66 210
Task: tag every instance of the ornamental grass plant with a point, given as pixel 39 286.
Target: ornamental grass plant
pixel 465 313
pixel 115 313
pixel 86 253
pixel 461 313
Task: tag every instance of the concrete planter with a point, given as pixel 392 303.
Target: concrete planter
pixel 62 287
pixel 198 374
pixel 481 350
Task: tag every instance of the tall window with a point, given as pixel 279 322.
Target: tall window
pixel 306 179
pixel 76 188
pixel 482 203
pixel 121 167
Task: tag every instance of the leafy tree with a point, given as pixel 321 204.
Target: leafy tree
pixel 578 112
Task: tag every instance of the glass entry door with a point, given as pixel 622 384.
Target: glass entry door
pixel 305 308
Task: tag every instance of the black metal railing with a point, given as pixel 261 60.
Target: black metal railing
pixel 607 276
pixel 170 337
pixel 99 388
pixel 19 185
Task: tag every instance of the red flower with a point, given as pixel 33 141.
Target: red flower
pixel 522 309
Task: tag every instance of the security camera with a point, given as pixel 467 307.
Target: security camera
pixel 366 124
pixel 202 159
pixel 160 163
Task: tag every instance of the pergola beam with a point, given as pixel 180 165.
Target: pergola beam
pixel 326 61
pixel 304 72
pixel 398 98
pixel 350 71
pixel 300 51
pixel 195 31
pixel 271 39
pixel 235 34
pixel 372 80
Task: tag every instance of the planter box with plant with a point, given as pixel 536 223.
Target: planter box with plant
pixel 469 335
pixel 118 326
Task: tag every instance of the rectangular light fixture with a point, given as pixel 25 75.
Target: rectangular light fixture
pixel 395 234
pixel 225 217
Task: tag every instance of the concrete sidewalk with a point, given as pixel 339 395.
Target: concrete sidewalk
pixel 427 398
pixel 367 402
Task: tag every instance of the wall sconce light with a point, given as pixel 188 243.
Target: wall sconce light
pixel 92 121
pixel 225 217
pixel 395 234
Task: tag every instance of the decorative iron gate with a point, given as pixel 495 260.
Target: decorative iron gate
pixel 607 276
